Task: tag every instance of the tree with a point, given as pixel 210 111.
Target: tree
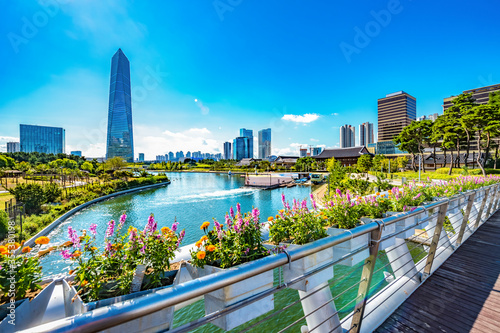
pixel 87 166
pixel 412 138
pixel 365 162
pixel 115 163
pixel 402 162
pixel 337 172
pixel 377 161
pixel 31 195
pixel 485 120
pixel 305 164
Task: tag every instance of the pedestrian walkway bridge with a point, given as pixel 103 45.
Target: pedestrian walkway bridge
pixel 434 269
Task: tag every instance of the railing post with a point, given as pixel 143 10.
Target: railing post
pixel 480 213
pixel 493 196
pixel 435 240
pixel 497 200
pixel 366 280
pixel 470 202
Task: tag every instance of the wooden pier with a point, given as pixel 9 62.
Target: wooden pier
pixel 463 295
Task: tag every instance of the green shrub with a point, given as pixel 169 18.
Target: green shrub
pixel 4 224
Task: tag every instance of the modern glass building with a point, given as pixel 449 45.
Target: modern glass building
pixel 42 139
pixel 76 153
pixel 120 141
pixel 246 133
pixel 264 143
pixel 227 151
pixel 241 148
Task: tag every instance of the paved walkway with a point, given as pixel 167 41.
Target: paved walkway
pixel 463 295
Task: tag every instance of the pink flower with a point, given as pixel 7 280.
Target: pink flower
pixel 93 229
pixel 73 237
pixel 66 254
pixel 174 226
pixel 181 237
pixel 151 225
pixel 238 207
pixel 111 229
pixel 231 212
pixel 339 192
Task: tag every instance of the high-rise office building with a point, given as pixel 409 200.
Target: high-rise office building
pixel 76 153
pixel 264 143
pixel 246 133
pixel 227 151
pixel 120 140
pixel 188 154
pixel 13 147
pixel 395 111
pixel 481 95
pixel 315 151
pixel 365 134
pixel 42 139
pixel 241 148
pixel 347 136
pixel 302 152
pixel 141 157
pixel 170 156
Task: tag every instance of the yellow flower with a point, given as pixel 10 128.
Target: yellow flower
pixel 211 248
pixel 277 216
pixel 325 217
pixel 77 254
pixel 322 213
pixel 165 230
pixel 198 243
pixel 42 240
pixel 270 218
pixel 26 249
pixel 377 194
pixel 204 238
pixel 84 283
pixel 201 255
pixel 205 225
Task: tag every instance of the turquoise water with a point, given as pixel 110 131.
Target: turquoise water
pixel 191 198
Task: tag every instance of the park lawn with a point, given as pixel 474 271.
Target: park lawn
pixel 4 197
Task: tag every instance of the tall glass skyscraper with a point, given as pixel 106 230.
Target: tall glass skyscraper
pixel 246 133
pixel 120 140
pixel 264 143
pixel 42 139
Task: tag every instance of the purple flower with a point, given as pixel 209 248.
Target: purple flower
pixel 122 220
pixel 143 249
pixel 246 251
pixel 174 226
pixel 66 254
pixel 238 207
pixel 181 237
pixel 313 202
pixel 111 229
pixel 304 204
pixel 73 237
pixel 93 229
pixel 255 214
pixel 339 192
pixel 108 247
pixel 133 235
pixel 231 212
pixel 151 225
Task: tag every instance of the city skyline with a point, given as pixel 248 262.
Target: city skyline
pixel 183 75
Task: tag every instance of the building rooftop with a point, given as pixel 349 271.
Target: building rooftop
pixel 343 152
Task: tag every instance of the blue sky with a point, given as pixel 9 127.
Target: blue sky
pixel 301 68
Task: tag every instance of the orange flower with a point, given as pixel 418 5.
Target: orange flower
pixel 42 240
pixel 270 218
pixel 322 213
pixel 71 271
pixel 198 243
pixel 377 194
pixel 201 255
pixel 205 225
pixel 165 230
pixel 84 283
pixel 13 246
pixel 204 238
pixel 211 248
pixel 325 217
pixel 4 250
pixel 77 254
pixel 26 249
pixel 277 216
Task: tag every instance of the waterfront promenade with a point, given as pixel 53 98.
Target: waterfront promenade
pixel 463 295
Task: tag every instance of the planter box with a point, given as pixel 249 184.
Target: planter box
pixel 307 264
pixel 224 297
pixel 351 245
pixel 403 224
pixel 158 321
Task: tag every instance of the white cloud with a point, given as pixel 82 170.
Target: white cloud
pixel 303 119
pixel 335 114
pixel 314 140
pixel 291 150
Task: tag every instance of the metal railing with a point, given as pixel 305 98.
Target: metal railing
pixel 461 215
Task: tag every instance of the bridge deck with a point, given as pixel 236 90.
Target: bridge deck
pixel 463 295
